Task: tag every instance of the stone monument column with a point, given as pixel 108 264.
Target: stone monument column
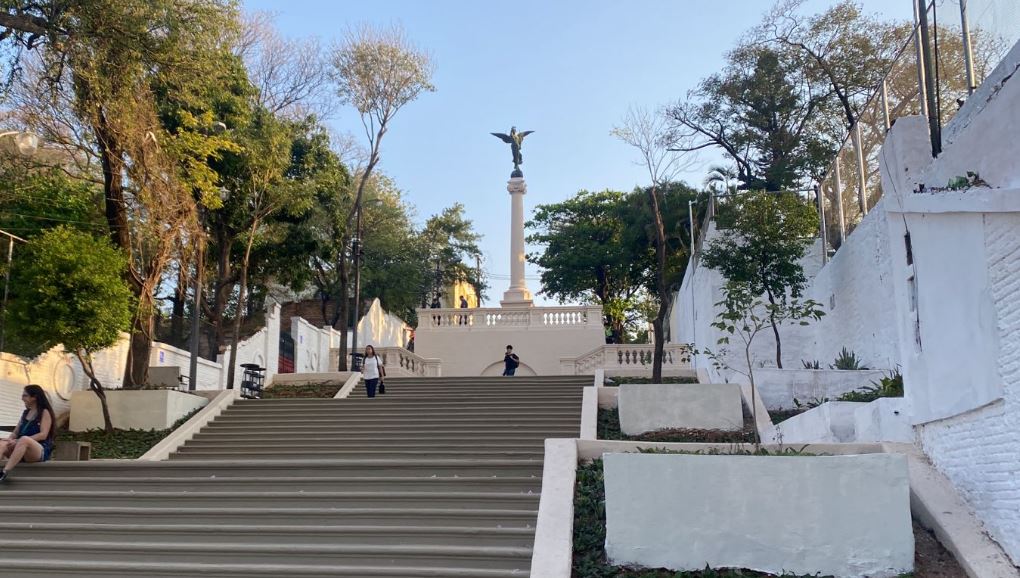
pixel 517 295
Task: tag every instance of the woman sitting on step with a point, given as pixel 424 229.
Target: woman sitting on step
pixel 32 439
pixel 373 371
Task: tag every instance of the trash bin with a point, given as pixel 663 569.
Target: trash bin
pixel 357 361
pixel 253 380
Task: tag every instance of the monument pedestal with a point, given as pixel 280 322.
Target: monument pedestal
pixel 517 296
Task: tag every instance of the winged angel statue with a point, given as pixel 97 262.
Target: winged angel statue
pixel 515 140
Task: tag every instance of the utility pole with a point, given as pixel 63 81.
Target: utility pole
pixel 7 283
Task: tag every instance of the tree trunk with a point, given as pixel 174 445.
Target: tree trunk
pixel 85 359
pixel 342 308
pixel 663 289
pixel 754 406
pixel 221 290
pixel 240 308
pixel 112 161
pixel 177 312
pixel 775 330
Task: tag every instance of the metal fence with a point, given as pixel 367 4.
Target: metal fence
pixel 966 40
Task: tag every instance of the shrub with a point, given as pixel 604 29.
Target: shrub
pixel 847 360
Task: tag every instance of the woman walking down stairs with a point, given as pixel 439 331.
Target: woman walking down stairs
pixel 439 477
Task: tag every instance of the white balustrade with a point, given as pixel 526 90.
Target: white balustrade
pixel 532 317
pixel 626 357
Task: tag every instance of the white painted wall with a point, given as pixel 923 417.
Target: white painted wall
pixel 209 372
pixel 312 346
pixel 262 348
pixel 382 329
pixel 59 373
pixel 539 335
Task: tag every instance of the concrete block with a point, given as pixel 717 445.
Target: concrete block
pixel 844 516
pixel 645 408
pixel 146 409
pixel 886 419
pixel 831 422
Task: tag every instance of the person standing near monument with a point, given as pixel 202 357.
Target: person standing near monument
pixel 373 372
pixel 510 361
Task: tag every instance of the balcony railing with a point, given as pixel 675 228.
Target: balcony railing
pixel 632 358
pixel 533 317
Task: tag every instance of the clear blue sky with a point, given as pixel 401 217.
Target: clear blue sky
pixel 567 69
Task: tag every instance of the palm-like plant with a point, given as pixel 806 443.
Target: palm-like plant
pixel 720 176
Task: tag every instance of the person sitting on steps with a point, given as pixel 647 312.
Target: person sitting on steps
pixel 373 371
pixel 32 440
pixel 510 361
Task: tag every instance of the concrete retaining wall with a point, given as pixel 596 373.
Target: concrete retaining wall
pixel 845 516
pixel 152 409
pixel 779 387
pixel 651 407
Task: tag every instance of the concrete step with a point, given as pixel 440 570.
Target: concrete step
pixel 200 452
pixel 470 419
pixel 291 483
pixel 269 534
pixel 434 556
pixel 289 467
pixel 271 443
pixel 278 499
pixel 425 517
pixel 568 411
pixel 389 437
pixel 553 429
pixel 89 569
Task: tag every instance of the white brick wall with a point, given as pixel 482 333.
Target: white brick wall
pixel 980 450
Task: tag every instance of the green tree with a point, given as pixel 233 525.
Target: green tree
pixel 764 236
pixel 744 315
pixel 109 61
pixel 755 113
pixel 69 289
pixel 589 255
pixel 377 71
pixel 450 251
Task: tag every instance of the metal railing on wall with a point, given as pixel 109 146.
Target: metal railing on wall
pixel 967 39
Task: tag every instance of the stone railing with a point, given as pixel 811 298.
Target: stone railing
pixel 400 362
pixel 634 358
pixel 532 317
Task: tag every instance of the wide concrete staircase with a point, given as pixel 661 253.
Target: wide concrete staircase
pixel 439 477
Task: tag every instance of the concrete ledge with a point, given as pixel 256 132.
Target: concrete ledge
pixel 652 407
pixel 779 387
pixel 609 397
pixel 176 439
pixel 590 412
pixel 884 420
pixel 763 421
pixel 331 377
pixel 553 552
pixel 845 516
pixel 588 450
pixel 938 507
pixel 831 422
pixel 349 385
pixel 703 376
pixel 132 409
pixel 646 371
pixel 600 378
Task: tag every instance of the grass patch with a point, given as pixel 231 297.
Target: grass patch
pixel 124 444
pixel 609 429
pixel 617 381
pixel 311 390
